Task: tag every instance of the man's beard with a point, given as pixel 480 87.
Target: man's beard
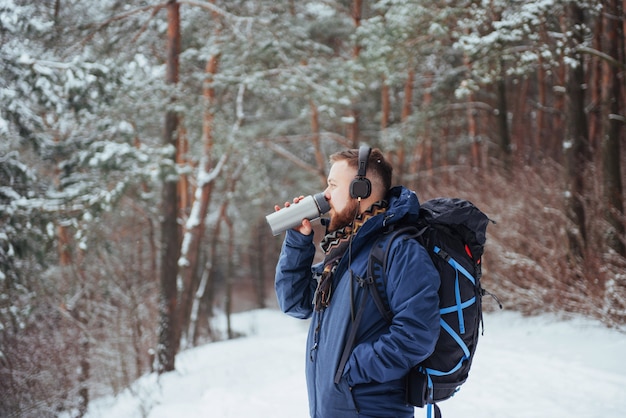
pixel 345 217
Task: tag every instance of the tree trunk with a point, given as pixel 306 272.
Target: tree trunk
pixel 472 131
pixel 577 141
pixel 83 378
pixel 212 271
pixel 192 332
pixel 595 89
pixel 613 131
pixel 353 132
pixel 230 271
pixel 260 252
pixel 427 101
pixel 194 228
pixel 64 245
pixel 170 250
pixel 521 124
pixel 407 104
pixel 471 115
pixel 540 145
pixel 503 124
pixel 317 146
pixel 385 106
pixel 182 149
pixel 407 108
pixel 557 129
pixel 357 8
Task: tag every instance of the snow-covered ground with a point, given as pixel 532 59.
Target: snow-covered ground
pixel 524 367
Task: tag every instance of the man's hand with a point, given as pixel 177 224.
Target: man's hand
pixel 305 228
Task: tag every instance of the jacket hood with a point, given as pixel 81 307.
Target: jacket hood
pixel 403 204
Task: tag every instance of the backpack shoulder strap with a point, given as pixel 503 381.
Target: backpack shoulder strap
pixel 377 265
pixel 347 349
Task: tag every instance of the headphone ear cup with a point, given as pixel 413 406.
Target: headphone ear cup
pixel 360 188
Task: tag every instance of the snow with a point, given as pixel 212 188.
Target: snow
pixel 524 367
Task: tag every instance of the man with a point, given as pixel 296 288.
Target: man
pixel 371 384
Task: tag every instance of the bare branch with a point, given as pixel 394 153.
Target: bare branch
pixel 600 54
pixel 122 16
pixel 145 25
pixel 291 157
pixel 215 9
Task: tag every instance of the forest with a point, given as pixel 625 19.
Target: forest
pixel 142 143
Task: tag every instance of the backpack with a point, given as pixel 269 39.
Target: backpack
pixel 453 231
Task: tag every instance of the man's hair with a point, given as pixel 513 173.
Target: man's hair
pixel 378 169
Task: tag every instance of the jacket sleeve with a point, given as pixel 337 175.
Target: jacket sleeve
pixel 412 293
pixel 294 281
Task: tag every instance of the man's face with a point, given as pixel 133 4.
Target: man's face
pixel 342 206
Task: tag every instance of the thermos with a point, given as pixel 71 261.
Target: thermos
pixel 311 208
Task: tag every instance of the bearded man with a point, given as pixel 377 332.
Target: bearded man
pixel 370 380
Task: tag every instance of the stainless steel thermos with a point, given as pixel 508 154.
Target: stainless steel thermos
pixel 311 208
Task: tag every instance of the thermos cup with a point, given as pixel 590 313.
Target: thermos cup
pixel 311 208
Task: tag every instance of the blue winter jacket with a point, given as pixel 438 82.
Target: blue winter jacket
pixel 372 383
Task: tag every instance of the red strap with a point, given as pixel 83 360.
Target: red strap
pixel 469 252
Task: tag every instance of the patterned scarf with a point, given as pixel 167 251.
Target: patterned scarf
pixel 334 246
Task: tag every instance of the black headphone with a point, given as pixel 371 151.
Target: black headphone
pixel 361 187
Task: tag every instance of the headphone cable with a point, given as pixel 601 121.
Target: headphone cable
pixel 356 213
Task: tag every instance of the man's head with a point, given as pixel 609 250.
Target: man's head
pixel 344 169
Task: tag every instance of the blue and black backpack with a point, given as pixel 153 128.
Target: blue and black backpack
pixel 453 231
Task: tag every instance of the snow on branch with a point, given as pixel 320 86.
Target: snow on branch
pixel 206 177
pixel 600 54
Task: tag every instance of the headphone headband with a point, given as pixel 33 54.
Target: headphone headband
pixel 364 155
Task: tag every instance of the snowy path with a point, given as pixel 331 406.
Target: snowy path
pixel 524 367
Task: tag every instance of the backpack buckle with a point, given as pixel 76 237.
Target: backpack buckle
pixel 362 282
